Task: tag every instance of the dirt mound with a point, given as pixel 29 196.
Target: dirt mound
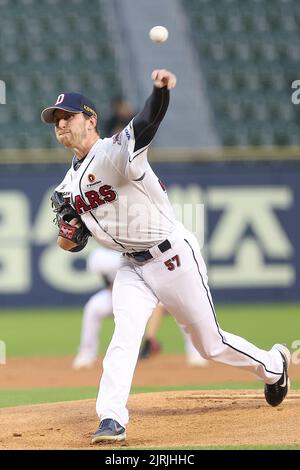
pixel 223 417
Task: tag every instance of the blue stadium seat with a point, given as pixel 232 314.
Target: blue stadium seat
pixel 46 47
pixel 249 53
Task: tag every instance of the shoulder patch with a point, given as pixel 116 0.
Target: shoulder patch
pixel 117 138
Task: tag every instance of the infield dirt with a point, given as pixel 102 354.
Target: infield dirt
pixel 165 419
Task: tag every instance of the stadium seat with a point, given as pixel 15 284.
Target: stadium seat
pixel 47 47
pixel 249 55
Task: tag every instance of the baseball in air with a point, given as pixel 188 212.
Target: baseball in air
pixel 158 34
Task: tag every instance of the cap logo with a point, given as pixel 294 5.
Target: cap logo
pixel 88 109
pixel 60 99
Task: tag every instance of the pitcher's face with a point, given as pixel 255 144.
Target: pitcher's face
pixel 70 128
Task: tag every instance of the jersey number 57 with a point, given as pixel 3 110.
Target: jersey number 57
pixel 173 263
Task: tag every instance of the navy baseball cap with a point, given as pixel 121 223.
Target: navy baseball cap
pixel 71 102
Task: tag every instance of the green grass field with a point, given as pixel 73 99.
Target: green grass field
pixel 50 395
pixel 49 332
pixel 55 332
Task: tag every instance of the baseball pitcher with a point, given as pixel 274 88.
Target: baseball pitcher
pixel 112 194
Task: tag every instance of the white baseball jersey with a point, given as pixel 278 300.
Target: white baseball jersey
pixel 118 196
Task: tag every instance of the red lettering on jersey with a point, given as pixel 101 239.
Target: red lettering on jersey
pixel 94 199
pixel 108 193
pixel 80 205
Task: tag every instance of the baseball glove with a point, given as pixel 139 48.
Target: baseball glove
pixel 64 214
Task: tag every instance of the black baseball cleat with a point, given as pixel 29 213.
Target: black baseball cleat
pixel 109 431
pixel 276 393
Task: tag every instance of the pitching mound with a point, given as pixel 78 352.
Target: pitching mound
pixel 223 417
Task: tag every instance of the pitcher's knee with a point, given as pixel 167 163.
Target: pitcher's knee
pixel 214 351
pixel 210 351
pixel 207 342
pixel 204 352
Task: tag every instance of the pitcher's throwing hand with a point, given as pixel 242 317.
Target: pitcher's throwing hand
pixel 163 78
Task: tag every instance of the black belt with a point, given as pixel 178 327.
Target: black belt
pixel 146 255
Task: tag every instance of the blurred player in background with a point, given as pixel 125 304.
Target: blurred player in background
pixel 106 262
pixel 151 345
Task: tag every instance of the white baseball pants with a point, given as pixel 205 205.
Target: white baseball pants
pixel 185 293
